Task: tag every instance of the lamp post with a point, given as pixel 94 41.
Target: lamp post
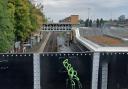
pixel 89 12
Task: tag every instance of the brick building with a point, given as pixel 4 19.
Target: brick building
pixel 73 19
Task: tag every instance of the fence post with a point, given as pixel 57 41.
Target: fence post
pixel 104 75
pixel 36 63
pixel 95 70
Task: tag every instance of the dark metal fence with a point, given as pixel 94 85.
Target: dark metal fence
pixel 47 71
pixel 16 71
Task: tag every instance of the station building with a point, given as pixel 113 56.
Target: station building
pixel 73 19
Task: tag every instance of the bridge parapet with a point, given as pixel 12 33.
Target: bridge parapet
pixel 96 70
pixel 94 46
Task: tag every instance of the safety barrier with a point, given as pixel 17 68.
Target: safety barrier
pixel 95 47
pixel 89 70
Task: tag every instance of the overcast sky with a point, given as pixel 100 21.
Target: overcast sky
pixel 59 9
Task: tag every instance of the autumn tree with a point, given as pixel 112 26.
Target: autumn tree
pixel 18 19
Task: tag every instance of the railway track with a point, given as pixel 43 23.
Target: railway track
pixel 77 47
pixel 51 45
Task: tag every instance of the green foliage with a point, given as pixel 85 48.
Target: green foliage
pixel 97 22
pixel 28 19
pixel 87 23
pixel 90 23
pixel 6 26
pixel 18 19
pixel 22 17
pixel 100 22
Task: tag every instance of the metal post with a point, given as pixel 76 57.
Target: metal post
pixel 95 70
pixel 36 63
pixel 88 13
pixel 104 75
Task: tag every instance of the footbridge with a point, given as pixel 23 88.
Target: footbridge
pixel 57 27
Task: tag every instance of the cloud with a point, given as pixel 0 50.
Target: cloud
pixel 112 3
pixel 59 9
pixel 56 3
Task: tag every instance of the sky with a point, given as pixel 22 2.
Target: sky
pixel 106 9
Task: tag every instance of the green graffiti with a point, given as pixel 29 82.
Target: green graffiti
pixel 73 78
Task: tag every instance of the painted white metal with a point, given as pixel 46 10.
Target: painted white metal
pixel 36 63
pixel 95 70
pixel 95 47
pixel 104 75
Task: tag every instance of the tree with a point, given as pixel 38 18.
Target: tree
pixel 22 17
pixel 97 23
pixel 101 22
pixel 28 19
pixel 81 21
pixel 18 20
pixel 6 26
pixel 87 23
pixel 90 23
pixel 121 18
